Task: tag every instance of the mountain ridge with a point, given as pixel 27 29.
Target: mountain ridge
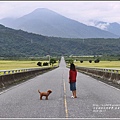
pixel 113 27
pixel 49 23
pixel 19 43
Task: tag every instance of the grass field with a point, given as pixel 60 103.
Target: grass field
pixel 9 65
pixel 101 64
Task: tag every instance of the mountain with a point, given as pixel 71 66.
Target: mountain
pixel 18 43
pixel 110 27
pixel 49 23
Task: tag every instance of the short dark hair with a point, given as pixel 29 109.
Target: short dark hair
pixel 72 66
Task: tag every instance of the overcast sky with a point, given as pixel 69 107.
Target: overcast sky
pixel 82 11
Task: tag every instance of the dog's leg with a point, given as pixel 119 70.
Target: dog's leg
pixel 46 97
pixel 41 97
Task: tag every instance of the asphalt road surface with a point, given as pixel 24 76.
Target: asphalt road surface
pixel 95 99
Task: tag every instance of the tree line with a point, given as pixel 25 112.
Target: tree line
pixel 17 43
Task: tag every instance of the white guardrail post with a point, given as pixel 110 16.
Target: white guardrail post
pixel 112 73
pixel 5 72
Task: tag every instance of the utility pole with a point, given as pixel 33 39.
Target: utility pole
pixel 49 58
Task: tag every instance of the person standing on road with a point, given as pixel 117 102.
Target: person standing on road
pixel 72 79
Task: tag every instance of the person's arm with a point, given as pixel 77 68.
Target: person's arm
pixel 69 76
pixel 76 73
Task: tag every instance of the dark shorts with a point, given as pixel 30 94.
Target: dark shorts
pixel 73 86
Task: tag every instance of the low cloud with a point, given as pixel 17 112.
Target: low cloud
pixel 107 11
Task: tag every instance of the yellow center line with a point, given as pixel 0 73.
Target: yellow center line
pixel 65 100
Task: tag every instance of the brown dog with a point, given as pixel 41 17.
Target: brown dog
pixel 45 94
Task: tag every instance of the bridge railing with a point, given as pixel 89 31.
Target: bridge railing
pixel 12 71
pixel 14 76
pixel 110 74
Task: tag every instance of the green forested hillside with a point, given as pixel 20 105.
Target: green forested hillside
pixel 16 43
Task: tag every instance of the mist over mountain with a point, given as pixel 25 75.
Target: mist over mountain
pixel 110 27
pixel 49 23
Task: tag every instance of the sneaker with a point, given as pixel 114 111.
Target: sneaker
pixel 75 97
pixel 72 96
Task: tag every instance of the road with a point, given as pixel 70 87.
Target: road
pixel 95 99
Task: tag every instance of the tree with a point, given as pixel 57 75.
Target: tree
pixel 52 61
pixel 97 61
pixel 90 61
pixel 81 61
pixel 69 61
pixel 45 64
pixel 39 64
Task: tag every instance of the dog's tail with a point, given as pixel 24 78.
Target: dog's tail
pixel 39 91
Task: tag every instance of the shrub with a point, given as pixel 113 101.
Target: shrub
pixel 97 61
pixel 39 64
pixel 45 64
pixel 69 61
pixel 52 61
pixel 90 61
pixel 81 61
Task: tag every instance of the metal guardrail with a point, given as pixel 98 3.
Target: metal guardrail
pixel 111 70
pixel 110 74
pixel 22 74
pixel 12 71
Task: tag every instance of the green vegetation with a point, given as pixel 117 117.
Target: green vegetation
pixel 19 49
pixel 93 58
pixel 16 64
pixel 89 61
pixel 17 44
pixel 101 64
pixel 52 61
pixel 11 64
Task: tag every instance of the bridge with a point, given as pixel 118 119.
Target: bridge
pixel 95 99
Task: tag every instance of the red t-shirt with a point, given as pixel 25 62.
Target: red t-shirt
pixel 72 75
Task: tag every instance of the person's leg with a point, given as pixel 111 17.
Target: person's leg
pixel 71 90
pixel 75 94
pixel 75 90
